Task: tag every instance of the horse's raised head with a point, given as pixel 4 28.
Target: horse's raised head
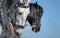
pixel 34 17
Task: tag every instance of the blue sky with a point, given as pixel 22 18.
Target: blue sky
pixel 50 21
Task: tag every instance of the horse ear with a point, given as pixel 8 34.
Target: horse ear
pixel 36 2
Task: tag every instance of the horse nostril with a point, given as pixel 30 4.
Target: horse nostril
pixel 33 29
pixel 17 33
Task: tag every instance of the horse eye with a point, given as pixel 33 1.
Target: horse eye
pixel 35 13
pixel 20 13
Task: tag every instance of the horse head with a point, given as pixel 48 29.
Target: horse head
pixel 34 17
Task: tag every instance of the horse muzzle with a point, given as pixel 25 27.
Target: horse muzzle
pixel 36 28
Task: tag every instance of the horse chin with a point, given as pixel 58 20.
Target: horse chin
pixel 35 28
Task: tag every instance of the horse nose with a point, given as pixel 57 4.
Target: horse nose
pixel 36 28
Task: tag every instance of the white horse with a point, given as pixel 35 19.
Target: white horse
pixel 22 14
